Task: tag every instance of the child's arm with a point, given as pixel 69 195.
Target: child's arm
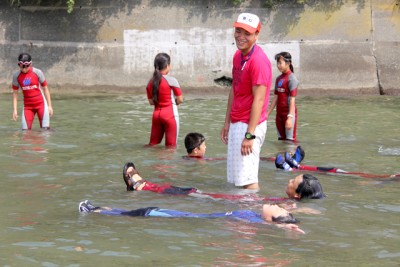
pixel 15 104
pixel 306 210
pixel 179 99
pixel 46 92
pixel 292 227
pixel 289 120
pixel 294 209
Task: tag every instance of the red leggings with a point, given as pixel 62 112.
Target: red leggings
pixel 165 121
pixel 38 107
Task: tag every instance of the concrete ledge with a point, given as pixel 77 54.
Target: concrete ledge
pixel 388 66
pixel 337 47
pixel 344 66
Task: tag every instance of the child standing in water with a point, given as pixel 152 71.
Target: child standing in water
pixel 37 99
pixel 163 91
pixel 285 98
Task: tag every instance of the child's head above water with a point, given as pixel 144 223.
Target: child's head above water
pixel 274 213
pixel 305 186
pixel 195 145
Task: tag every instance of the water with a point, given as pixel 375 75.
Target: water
pixel 44 175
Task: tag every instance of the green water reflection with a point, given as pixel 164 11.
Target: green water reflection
pixel 44 175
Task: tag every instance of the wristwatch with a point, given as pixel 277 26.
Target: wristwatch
pixel 249 136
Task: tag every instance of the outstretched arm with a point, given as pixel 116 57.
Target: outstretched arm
pixel 292 227
pixel 306 210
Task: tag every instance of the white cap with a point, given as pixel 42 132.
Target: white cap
pixel 249 22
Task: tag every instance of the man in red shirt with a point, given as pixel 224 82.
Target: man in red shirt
pixel 37 98
pixel 246 119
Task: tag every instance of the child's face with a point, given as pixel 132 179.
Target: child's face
pixel 24 68
pixel 201 150
pixel 293 185
pixel 283 66
pixel 269 211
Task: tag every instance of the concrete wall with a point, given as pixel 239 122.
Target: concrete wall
pixel 337 46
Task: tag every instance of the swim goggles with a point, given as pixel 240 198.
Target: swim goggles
pixel 24 64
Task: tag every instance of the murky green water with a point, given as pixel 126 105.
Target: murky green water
pixel 44 175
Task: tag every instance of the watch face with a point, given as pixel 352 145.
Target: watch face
pixel 249 136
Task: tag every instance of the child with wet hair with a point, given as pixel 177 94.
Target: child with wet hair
pixel 195 144
pixel 269 214
pixel 305 186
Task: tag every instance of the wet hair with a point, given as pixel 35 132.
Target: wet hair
pixel 310 187
pixel 131 185
pixel 193 140
pixel 161 61
pixel 289 218
pixel 287 57
pixel 24 57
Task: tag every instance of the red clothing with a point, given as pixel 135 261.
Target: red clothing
pixel 168 88
pixel 175 190
pixel 34 100
pixel 165 116
pixel 168 189
pixel 30 83
pixel 248 71
pixel 286 86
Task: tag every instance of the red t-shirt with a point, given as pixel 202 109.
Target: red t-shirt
pixel 248 71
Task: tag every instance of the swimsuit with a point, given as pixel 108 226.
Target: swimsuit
pixel 242 215
pixel 168 189
pixel 175 190
pixel 34 100
pixel 165 118
pixel 285 87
